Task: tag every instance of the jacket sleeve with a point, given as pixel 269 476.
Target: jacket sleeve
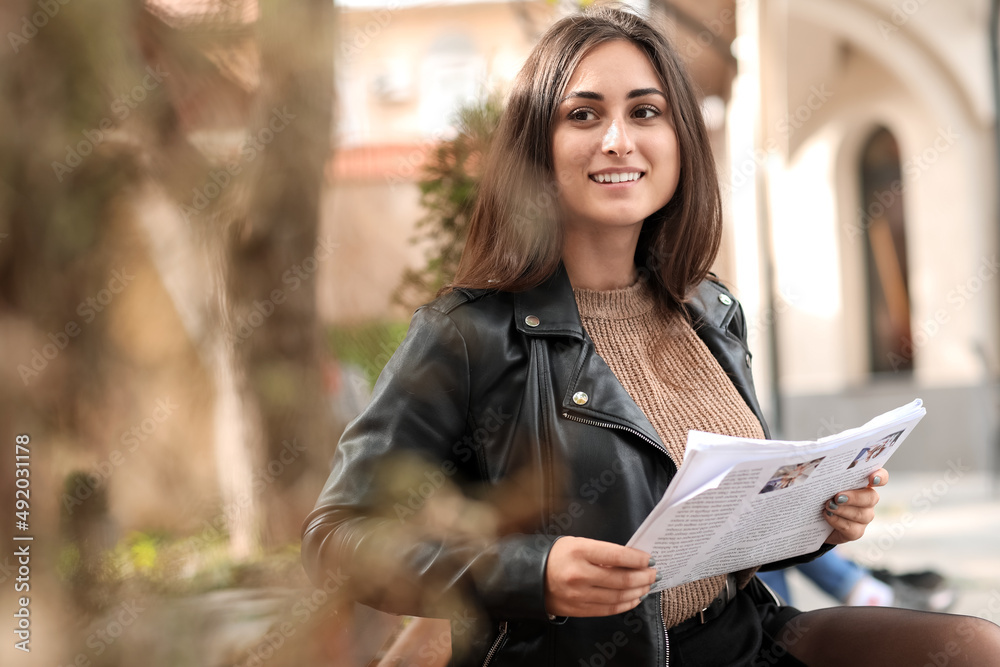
pixel 797 560
pixel 361 524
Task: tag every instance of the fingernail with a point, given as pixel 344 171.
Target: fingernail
pixel 841 499
pixel 644 597
pixel 831 506
pixel 652 562
pixel 659 575
pixel 829 513
pixel 876 480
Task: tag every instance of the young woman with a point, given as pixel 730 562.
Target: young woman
pixel 538 408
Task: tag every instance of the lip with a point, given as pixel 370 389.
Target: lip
pixel 617 170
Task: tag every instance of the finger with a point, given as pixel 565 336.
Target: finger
pixel 862 515
pixel 879 478
pixel 846 529
pixel 615 578
pixel 592 610
pixel 570 565
pixel 595 603
pixel 846 526
pixel 618 578
pixel 857 498
pixel 608 596
pixel 607 554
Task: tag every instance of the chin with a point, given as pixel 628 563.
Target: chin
pixel 620 219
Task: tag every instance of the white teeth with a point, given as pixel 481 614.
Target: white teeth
pixel 616 178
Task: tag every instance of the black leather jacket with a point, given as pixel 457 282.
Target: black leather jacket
pixel 487 389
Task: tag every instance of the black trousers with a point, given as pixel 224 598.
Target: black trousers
pixel 753 631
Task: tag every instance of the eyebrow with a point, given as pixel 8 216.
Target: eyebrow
pixel 632 94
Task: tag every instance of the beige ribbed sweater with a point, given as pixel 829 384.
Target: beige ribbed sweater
pixel 673 377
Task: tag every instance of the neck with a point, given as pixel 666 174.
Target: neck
pixel 600 261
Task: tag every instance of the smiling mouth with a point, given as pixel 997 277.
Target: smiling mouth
pixel 617 178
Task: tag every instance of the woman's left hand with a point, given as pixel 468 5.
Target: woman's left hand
pixel 850 512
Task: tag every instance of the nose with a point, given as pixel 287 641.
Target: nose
pixel 616 140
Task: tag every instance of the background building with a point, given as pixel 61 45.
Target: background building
pixel 876 128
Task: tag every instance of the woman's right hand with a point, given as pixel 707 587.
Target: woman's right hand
pixel 586 577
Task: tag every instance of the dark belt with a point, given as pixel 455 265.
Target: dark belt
pixel 714 608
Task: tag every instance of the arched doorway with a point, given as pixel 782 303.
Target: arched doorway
pixel 890 341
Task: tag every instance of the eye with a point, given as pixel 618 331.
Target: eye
pixel 582 114
pixel 646 112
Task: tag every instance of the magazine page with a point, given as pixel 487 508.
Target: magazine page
pixel 737 502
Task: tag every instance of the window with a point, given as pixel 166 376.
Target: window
pixel 451 76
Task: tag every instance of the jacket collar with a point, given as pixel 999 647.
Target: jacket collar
pixel 550 310
pixel 554 306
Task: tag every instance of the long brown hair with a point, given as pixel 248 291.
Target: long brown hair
pixel 514 241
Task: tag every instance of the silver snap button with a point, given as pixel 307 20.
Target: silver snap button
pixel 748 361
pixel 726 301
pixel 580 398
pixel 532 321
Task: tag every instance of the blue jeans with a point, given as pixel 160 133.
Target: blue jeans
pixel 834 574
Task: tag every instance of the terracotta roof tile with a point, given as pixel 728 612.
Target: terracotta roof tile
pixel 377 162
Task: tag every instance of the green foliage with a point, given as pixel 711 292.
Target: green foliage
pixel 68 562
pixel 145 563
pixel 142 553
pixel 448 193
pixel 367 346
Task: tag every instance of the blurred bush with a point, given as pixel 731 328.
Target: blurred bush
pixel 367 346
pixel 448 194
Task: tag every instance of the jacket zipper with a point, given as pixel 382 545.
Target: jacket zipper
pixel 496 644
pixel 593 422
pixel 666 635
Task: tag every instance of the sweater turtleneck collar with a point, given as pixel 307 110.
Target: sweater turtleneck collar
pixel 624 303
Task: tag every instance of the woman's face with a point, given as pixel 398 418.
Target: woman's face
pixel 614 148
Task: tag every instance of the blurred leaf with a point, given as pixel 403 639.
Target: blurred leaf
pixel 143 553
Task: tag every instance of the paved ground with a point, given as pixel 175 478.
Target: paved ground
pixel 949 522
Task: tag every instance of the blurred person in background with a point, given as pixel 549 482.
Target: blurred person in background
pixel 538 408
pixel 853 585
